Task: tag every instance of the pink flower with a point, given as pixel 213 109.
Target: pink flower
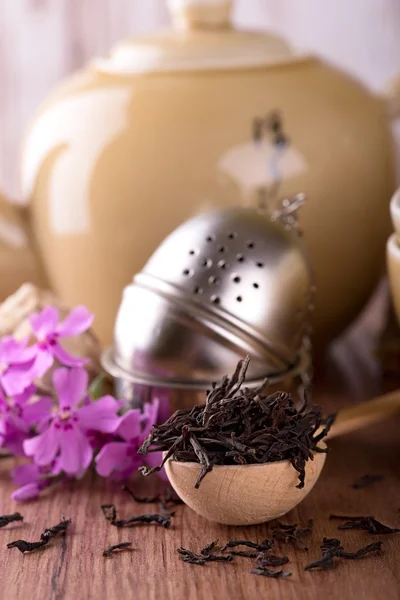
pixel 18 415
pixel 64 436
pixel 33 480
pixel 30 491
pixel 120 458
pixel 16 362
pixel 48 331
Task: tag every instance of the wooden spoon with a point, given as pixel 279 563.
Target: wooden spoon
pixel 251 494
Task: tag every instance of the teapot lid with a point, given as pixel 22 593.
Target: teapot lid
pixel 203 38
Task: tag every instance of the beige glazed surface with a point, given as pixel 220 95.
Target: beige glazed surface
pixel 117 158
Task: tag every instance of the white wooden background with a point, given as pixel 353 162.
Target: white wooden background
pixel 41 41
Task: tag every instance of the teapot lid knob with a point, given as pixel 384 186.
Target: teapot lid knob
pixel 201 14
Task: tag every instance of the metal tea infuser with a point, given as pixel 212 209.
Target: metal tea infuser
pixel 225 284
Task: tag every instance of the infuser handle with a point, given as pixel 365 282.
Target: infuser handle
pixel 363 415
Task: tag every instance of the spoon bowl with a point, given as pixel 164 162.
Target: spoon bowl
pixel 252 494
pixel 243 494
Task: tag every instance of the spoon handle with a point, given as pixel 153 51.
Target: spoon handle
pixel 368 413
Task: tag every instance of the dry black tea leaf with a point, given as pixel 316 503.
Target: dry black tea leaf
pixel 110 513
pixel 158 519
pixel 189 557
pixel 366 480
pixel 245 553
pixel 141 499
pixel 46 536
pixel 113 549
pixel 269 573
pixel 264 545
pixel 332 548
pixel 52 532
pixel 24 546
pixel 206 555
pixel 368 524
pixel 6 519
pixel 292 534
pixel 165 497
pixel 209 548
pixel 237 425
pixel 220 558
pixel 264 560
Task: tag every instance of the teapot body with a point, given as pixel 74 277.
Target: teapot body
pixel 114 162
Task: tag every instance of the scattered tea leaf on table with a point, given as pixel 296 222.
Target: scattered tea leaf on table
pixel 292 534
pixel 269 573
pixel 264 545
pixel 110 513
pixel 366 480
pixel 332 548
pixel 368 524
pixel 48 534
pixel 6 519
pixel 113 549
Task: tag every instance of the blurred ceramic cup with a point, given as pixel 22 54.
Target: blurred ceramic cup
pixel 393 265
pixel 395 213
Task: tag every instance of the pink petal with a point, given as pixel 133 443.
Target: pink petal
pixel 25 396
pixel 17 423
pixel 25 355
pixel 14 443
pixel 130 425
pixel 17 378
pixel 65 358
pixel 70 385
pixel 13 351
pixel 112 457
pixel 45 322
pixel 23 474
pixel 78 321
pixel 76 452
pixel 26 492
pixel 44 447
pixel 7 348
pixel 37 410
pixel 44 361
pixel 100 415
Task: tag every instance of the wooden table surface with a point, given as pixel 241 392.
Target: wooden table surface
pixel 73 567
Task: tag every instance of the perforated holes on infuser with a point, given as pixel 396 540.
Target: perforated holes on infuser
pixel 239 299
pixel 232 235
pixel 260 264
pixel 192 252
pixel 236 279
pixel 210 238
pixel 256 286
pixel 222 264
pixel 215 299
pixel 213 280
pixel 188 272
pixel 221 249
pixel 198 290
pixel 240 257
pixel 206 262
pixel 250 244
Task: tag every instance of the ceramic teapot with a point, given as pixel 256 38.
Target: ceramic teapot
pixel 162 128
